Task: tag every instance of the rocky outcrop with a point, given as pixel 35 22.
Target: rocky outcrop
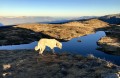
pixel 111 43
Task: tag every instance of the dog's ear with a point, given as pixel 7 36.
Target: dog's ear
pixel 58 44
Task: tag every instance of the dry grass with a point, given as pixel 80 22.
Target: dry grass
pixel 28 64
pixel 107 40
pixel 26 33
pixel 68 30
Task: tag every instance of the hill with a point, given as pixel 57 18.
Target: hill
pixel 89 23
pixel 25 33
pixel 111 19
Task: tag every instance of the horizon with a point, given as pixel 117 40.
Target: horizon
pixel 53 8
pixel 59 16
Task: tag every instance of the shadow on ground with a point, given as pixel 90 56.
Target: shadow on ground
pixel 15 35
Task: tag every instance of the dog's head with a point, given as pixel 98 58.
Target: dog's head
pixel 59 45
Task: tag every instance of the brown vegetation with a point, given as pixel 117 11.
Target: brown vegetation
pixel 68 30
pixel 26 33
pixel 28 64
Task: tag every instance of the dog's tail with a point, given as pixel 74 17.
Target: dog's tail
pixel 36 48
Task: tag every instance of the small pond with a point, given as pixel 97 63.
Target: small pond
pixel 87 46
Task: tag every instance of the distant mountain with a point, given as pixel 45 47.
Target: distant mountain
pixel 11 20
pixel 111 19
pixel 88 17
pixel 21 20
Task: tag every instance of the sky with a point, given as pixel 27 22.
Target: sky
pixel 59 7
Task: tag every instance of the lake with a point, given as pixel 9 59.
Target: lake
pixel 87 46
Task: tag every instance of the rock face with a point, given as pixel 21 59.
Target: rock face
pixel 111 19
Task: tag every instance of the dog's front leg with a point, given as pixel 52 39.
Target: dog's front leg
pixel 53 51
pixel 41 54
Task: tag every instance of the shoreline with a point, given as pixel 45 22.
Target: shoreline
pixel 111 43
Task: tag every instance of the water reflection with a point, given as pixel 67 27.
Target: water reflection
pixel 87 46
pixel 21 46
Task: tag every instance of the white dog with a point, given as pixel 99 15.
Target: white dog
pixel 42 43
